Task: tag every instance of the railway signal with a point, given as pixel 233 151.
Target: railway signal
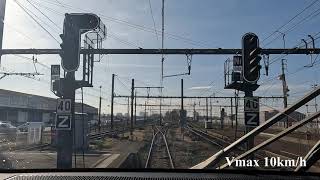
pixel 251 58
pixel 74 25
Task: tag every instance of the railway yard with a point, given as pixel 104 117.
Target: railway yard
pixel 153 146
pixel 235 96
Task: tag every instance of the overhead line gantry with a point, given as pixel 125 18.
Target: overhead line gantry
pixel 216 51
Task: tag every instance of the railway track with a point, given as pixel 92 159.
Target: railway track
pixel 207 137
pixel 222 141
pixel 101 135
pixel 159 155
pixel 218 140
pixel 39 147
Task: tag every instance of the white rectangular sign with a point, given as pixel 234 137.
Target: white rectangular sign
pixel 251 111
pixel 251 118
pixel 251 104
pixel 64 106
pixel 55 72
pixel 63 122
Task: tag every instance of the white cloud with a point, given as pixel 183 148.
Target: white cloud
pixel 134 66
pixel 278 87
pixel 200 87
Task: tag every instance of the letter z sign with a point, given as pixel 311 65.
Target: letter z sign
pixel 251 111
pixel 63 122
pixel 251 118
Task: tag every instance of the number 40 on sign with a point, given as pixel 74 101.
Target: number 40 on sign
pixel 251 104
pixel 63 118
pixel 64 106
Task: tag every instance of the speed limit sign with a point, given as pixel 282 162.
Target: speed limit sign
pixel 64 106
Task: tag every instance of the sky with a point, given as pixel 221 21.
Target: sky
pixel 188 24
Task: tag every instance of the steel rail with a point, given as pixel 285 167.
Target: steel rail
pixel 150 149
pixel 220 139
pixel 106 133
pixel 198 133
pixel 155 134
pixel 167 147
pixel 214 159
pixel 274 138
pixel 113 132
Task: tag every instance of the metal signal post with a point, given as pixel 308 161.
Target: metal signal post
pixel 74 25
pixel 251 74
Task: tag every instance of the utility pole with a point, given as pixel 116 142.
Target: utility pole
pixel 236 99
pixel 162 59
pixel 162 42
pixel 181 94
pixel 132 98
pixel 222 117
pixel 216 122
pixel 135 108
pixel 160 110
pixel 207 111
pixel 128 111
pixel 150 112
pixel 284 89
pixel 194 111
pixel 231 116
pixel 211 111
pixel 145 112
pixel 314 86
pixel 112 98
pixel 99 118
pixel 182 111
pixel 2 15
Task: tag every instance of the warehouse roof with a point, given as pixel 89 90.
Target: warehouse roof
pixel 21 100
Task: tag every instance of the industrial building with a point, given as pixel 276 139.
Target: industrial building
pixel 18 108
pixel 292 117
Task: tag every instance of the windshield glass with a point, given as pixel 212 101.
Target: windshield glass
pixel 159 84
